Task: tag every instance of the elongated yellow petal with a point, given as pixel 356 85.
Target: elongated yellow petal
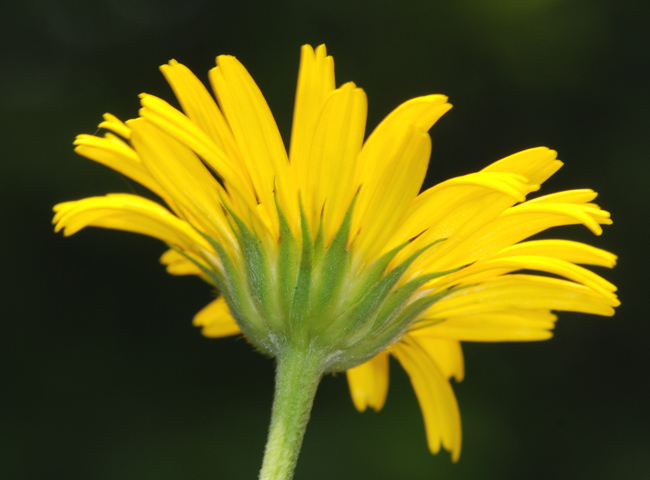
pixel 178 264
pixel 525 292
pixel 536 164
pixel 452 212
pixel 216 320
pixel 567 250
pixel 374 165
pixel 130 213
pixel 512 325
pixel 200 107
pixel 457 208
pixel 369 383
pixel 422 112
pixel 515 224
pixel 184 177
pixel 382 204
pixel 182 129
pixel 484 270
pixel 114 153
pixel 447 354
pixel 258 138
pixel 330 167
pixel 482 195
pixel 578 196
pixel 573 214
pixel 435 396
pixel 315 83
pixel 115 125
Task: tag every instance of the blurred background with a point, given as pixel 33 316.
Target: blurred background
pixel 103 375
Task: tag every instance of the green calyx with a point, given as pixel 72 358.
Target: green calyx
pixel 304 295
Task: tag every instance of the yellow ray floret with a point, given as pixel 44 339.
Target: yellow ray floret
pixel 369 383
pixel 329 167
pixel 315 83
pixel 513 225
pixel 118 155
pixel 130 213
pixel 436 398
pixel 574 252
pixel 202 110
pixel 115 125
pixel 184 177
pixel 179 264
pixel 508 325
pixel 216 320
pixel 488 269
pixel 183 130
pixel 258 138
pixel 522 291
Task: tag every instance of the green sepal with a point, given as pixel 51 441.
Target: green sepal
pixel 328 279
pixel 412 310
pixel 400 296
pixel 374 273
pixel 318 248
pixel 362 313
pixel 288 264
pixel 301 297
pixel 409 313
pixel 234 289
pixel 213 279
pixel 258 270
pixel 365 350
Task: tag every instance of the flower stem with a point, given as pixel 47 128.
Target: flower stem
pixel 297 376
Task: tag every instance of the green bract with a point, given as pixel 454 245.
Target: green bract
pixel 308 296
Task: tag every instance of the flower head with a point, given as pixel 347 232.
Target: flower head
pixel 332 247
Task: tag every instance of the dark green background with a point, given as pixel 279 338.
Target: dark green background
pixel 103 376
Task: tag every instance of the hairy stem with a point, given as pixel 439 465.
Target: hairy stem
pixel 297 376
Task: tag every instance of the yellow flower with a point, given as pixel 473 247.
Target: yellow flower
pixel 333 245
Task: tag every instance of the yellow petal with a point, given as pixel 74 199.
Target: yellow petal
pixel 512 325
pixel 130 213
pixel 115 125
pixel 422 112
pixel 178 264
pixel 114 153
pixel 384 199
pixel 337 140
pixel 518 223
pixel 182 129
pixel 258 138
pixel 435 396
pixel 444 208
pixel 184 177
pixel 216 320
pixel 536 164
pixel 315 83
pixel 524 292
pixel 377 159
pixel 200 107
pixel 572 214
pixel 457 208
pixel 567 250
pixel 578 196
pixel 369 383
pixel 486 269
pixel 447 354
